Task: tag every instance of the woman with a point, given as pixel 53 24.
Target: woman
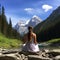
pixel 30 42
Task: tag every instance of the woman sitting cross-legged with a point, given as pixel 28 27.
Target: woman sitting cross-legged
pixel 30 42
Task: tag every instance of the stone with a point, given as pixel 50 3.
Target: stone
pixel 36 57
pixel 7 58
pixel 0 54
pixel 12 56
pixel 53 54
pixel 22 56
pixel 17 54
pixel 56 50
pixel 57 57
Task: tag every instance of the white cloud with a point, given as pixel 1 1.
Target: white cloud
pixel 28 9
pixel 46 7
pixel 33 11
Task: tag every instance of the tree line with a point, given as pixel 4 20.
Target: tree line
pixel 5 27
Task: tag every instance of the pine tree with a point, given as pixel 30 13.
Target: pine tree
pixel 4 22
pixel 0 9
pixel 0 18
pixel 0 23
pixel 9 33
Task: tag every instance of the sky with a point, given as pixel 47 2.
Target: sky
pixel 24 9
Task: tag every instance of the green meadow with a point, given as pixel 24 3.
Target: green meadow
pixel 9 43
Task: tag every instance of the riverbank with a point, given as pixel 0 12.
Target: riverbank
pixel 17 54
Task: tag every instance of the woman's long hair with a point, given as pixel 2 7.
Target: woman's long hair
pixel 30 33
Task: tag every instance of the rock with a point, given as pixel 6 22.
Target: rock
pixel 17 54
pixel 56 50
pixel 36 57
pixel 57 57
pixel 53 54
pixel 12 56
pixel 46 50
pixel 0 54
pixel 7 58
pixel 22 56
pixel 29 53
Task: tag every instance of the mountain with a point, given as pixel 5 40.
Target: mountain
pixel 49 28
pixel 21 27
pixel 34 21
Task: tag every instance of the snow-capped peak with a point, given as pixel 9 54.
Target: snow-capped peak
pixel 35 17
pixel 34 21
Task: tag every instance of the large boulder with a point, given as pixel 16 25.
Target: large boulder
pixel 57 57
pixel 7 58
pixel 12 56
pixel 36 57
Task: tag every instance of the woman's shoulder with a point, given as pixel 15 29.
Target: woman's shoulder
pixel 34 34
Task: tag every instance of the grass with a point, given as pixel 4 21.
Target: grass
pixel 54 43
pixel 9 43
pixel 51 44
pixel 57 40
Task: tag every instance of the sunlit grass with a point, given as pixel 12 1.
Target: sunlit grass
pixel 9 43
pixel 53 40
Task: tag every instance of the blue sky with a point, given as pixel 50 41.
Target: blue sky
pixel 24 9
